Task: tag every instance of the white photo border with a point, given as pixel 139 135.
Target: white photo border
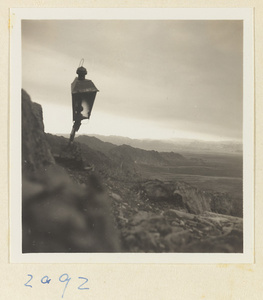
pixel 15 178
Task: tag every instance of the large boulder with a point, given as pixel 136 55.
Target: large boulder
pixel 157 190
pixel 195 200
pixel 180 194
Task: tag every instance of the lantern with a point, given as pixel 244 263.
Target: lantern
pixel 83 96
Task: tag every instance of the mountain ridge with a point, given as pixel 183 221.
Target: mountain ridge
pixel 176 145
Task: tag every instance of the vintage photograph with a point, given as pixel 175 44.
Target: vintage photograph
pixel 132 136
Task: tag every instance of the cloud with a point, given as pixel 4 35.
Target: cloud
pixel 175 74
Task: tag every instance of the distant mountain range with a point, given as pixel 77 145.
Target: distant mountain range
pixel 111 158
pixel 177 145
pixel 136 155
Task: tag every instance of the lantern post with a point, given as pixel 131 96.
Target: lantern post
pixel 83 96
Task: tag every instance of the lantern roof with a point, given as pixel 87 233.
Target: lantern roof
pixel 83 86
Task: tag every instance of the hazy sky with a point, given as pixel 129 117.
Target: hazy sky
pixel 157 79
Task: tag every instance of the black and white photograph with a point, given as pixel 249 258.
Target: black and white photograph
pixel 135 136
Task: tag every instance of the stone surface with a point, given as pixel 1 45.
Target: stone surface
pixel 59 214
pixel 35 151
pixel 195 200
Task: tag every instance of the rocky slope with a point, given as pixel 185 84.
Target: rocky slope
pixel 136 155
pixel 150 220
pixel 95 143
pixel 82 199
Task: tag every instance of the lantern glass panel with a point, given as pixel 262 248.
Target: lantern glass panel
pixel 86 108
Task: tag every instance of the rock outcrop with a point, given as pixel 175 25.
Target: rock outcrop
pixel 195 200
pixel 180 194
pixel 35 151
pixel 187 197
pixel 58 214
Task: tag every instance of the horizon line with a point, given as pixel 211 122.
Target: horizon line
pixel 239 141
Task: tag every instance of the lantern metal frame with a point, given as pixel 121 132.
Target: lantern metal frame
pixel 83 96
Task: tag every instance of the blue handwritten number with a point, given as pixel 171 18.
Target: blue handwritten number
pixel 64 280
pixel 45 280
pixel 31 277
pixel 83 288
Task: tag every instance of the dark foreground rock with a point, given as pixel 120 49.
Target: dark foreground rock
pixel 59 215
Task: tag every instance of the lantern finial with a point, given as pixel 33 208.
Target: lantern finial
pixel 82 72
